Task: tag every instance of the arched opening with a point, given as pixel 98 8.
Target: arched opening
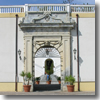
pixel 47 61
pixel 49 65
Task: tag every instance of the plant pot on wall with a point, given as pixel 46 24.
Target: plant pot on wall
pixel 70 88
pixel 59 81
pixel 49 82
pixel 28 78
pixel 37 82
pixel 71 80
pixel 27 88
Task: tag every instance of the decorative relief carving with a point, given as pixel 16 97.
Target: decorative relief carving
pixel 38 44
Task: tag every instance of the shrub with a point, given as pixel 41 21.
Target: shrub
pixel 59 78
pixel 37 78
pixel 70 79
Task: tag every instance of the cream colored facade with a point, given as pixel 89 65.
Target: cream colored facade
pixel 65 41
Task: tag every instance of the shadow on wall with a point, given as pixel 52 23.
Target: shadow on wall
pixel 74 31
pixel 74 45
pixel 66 72
pixel 80 61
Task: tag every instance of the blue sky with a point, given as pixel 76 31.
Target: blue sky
pixel 22 2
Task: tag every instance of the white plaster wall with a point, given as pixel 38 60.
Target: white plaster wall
pixel 40 63
pixel 86 49
pixel 7 49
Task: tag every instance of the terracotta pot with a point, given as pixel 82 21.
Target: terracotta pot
pixel 70 88
pixel 37 82
pixel 48 82
pixel 27 88
pixel 59 81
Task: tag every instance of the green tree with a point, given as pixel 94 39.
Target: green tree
pixel 51 67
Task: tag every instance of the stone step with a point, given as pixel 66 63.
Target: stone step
pixel 46 83
pixel 41 87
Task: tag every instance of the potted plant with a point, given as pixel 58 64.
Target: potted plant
pixel 28 77
pixel 59 80
pixel 37 80
pixel 49 81
pixel 71 80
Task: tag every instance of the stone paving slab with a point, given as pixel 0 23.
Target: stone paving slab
pixel 47 93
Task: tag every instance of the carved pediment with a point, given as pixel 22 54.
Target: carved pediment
pixel 47 18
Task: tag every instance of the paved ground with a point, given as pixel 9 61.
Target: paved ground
pixel 57 92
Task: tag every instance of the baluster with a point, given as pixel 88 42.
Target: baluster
pixel 18 9
pixel 90 9
pixel 14 9
pixel 53 8
pixel 79 9
pixel 4 10
pixel 57 8
pixel 73 9
pixel 60 8
pixel 45 8
pixel 40 8
pixel 76 9
pixel 93 9
pixel 29 8
pixel 85 9
pixel 36 8
pixel 0 10
pixel 63 8
pixel 48 8
pixel 21 10
pixel 33 8
pixel 9 10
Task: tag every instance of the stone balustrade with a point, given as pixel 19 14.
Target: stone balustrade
pixel 82 8
pixel 12 9
pixel 47 7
